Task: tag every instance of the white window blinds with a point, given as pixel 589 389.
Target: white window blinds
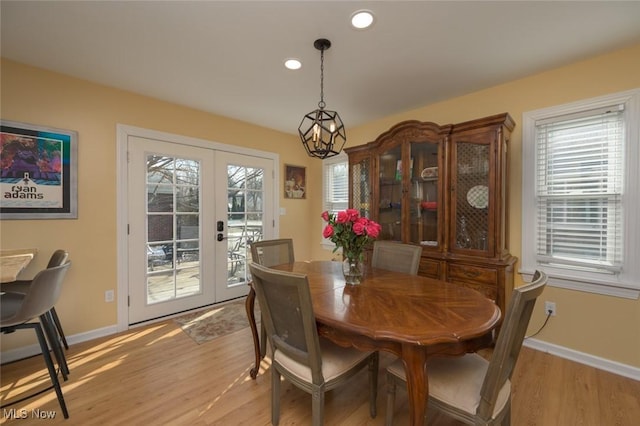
pixel 336 191
pixel 579 172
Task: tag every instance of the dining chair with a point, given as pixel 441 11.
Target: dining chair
pixel 311 363
pixel 470 388
pixel 59 257
pixel 270 253
pixel 21 311
pixel 398 257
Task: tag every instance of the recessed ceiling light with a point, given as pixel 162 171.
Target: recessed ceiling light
pixel 362 19
pixel 292 64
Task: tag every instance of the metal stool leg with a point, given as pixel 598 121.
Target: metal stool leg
pixel 51 368
pixel 56 321
pixel 52 337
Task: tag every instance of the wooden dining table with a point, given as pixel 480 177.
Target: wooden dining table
pixel 13 261
pixel 410 316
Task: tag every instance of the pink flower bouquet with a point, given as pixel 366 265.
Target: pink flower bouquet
pixel 350 232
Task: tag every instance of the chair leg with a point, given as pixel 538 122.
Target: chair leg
pixel 373 384
pixel 506 420
pixel 317 405
pixel 51 368
pixel 56 321
pixel 263 339
pixel 275 396
pixel 52 337
pixel 391 399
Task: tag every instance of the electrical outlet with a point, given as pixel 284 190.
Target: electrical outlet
pixel 109 296
pixel 550 307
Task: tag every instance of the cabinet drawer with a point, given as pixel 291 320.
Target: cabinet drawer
pixel 472 274
pixel 429 268
pixel 490 291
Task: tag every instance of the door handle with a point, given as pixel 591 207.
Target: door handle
pixel 220 237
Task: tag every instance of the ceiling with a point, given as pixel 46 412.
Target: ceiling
pixel 226 57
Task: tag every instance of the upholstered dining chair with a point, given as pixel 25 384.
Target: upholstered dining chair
pixel 398 257
pixel 21 311
pixel 313 364
pixel 59 257
pixel 470 388
pixel 270 253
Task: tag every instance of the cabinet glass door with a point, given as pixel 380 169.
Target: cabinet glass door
pixel 390 197
pixel 360 190
pixel 471 227
pixel 424 206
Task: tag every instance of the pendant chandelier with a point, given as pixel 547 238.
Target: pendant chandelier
pixel 322 131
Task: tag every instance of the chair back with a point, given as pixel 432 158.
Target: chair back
pixel 59 257
pixel 285 301
pixel 272 252
pixel 398 257
pixel 509 343
pixel 42 295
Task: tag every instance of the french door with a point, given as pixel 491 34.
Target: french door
pixel 247 215
pixel 192 212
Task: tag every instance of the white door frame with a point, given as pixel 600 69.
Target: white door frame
pixel 122 134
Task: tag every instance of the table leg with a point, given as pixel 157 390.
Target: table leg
pixel 415 366
pixel 249 305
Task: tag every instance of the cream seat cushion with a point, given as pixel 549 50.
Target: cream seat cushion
pixel 457 382
pixel 335 361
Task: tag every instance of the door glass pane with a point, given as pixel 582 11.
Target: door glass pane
pixel 245 193
pixel 173 224
pixel 389 210
pixel 424 209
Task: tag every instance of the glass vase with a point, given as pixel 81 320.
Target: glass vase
pixel 352 270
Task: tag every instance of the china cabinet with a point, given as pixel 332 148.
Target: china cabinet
pixel 444 188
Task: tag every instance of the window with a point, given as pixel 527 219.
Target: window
pixel 335 187
pixel 580 198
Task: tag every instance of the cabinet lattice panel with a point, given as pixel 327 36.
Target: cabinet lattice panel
pixel 472 199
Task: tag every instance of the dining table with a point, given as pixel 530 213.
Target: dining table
pixel 413 317
pixel 14 261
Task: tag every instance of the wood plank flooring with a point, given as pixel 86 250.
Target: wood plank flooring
pixel 158 375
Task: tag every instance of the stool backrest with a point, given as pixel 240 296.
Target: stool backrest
pixel 43 293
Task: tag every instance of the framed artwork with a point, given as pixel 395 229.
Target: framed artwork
pixel 295 182
pixel 38 172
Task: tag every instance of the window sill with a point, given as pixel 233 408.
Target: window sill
pixel 571 283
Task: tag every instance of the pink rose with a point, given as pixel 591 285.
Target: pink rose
pixel 373 229
pixel 352 215
pixel 359 228
pixel 325 216
pixel 342 217
pixel 327 232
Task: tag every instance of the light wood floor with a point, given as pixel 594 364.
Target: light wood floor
pixel 158 375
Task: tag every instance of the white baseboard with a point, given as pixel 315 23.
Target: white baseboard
pixel 31 350
pixel 584 358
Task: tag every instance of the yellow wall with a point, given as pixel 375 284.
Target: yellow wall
pixel 36 96
pixel 602 326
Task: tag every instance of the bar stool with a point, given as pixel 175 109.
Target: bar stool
pixel 21 311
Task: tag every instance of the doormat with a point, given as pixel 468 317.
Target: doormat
pixel 217 321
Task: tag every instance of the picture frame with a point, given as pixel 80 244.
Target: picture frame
pixel 38 172
pixel 295 182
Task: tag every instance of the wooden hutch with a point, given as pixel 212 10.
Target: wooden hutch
pixel 444 188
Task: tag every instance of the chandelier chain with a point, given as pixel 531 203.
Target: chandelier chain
pixel 321 104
